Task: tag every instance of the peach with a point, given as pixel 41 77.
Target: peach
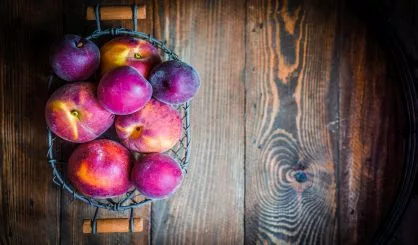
pixel 74 114
pixel 130 51
pixel 100 169
pixel 155 128
pixel 156 175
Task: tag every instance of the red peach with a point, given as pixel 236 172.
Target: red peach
pixel 100 169
pixel 156 175
pixel 155 128
pixel 74 114
pixel 121 51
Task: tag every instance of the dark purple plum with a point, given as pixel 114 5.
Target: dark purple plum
pixel 123 90
pixel 156 175
pixel 74 58
pixel 174 82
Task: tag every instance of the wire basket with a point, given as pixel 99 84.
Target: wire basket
pixel 57 147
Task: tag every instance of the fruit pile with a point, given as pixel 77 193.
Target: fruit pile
pixel 134 92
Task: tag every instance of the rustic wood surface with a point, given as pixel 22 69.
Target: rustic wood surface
pixel 296 129
pixel 320 106
pixel 292 124
pixel 29 202
pixel 371 132
pixel 211 36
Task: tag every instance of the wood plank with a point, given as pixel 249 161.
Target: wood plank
pixel 323 154
pixel 208 208
pixel 74 212
pixel 290 171
pixel 371 131
pixel 29 202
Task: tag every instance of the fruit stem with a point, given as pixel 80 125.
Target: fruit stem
pixel 137 132
pixel 75 113
pixel 138 56
pixel 80 44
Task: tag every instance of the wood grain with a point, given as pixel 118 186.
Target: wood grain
pixel 290 171
pixel 323 158
pixel 209 207
pixel 29 202
pixel 371 128
pixel 74 212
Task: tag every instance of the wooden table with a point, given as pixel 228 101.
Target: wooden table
pixel 295 130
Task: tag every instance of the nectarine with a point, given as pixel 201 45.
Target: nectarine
pixel 155 128
pixel 74 114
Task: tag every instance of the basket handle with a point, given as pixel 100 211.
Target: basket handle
pixel 113 225
pixel 116 13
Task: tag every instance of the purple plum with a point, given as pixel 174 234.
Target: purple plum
pixel 156 175
pixel 75 58
pixel 174 82
pixel 123 90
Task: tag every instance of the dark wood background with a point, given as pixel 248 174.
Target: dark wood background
pixel 296 129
